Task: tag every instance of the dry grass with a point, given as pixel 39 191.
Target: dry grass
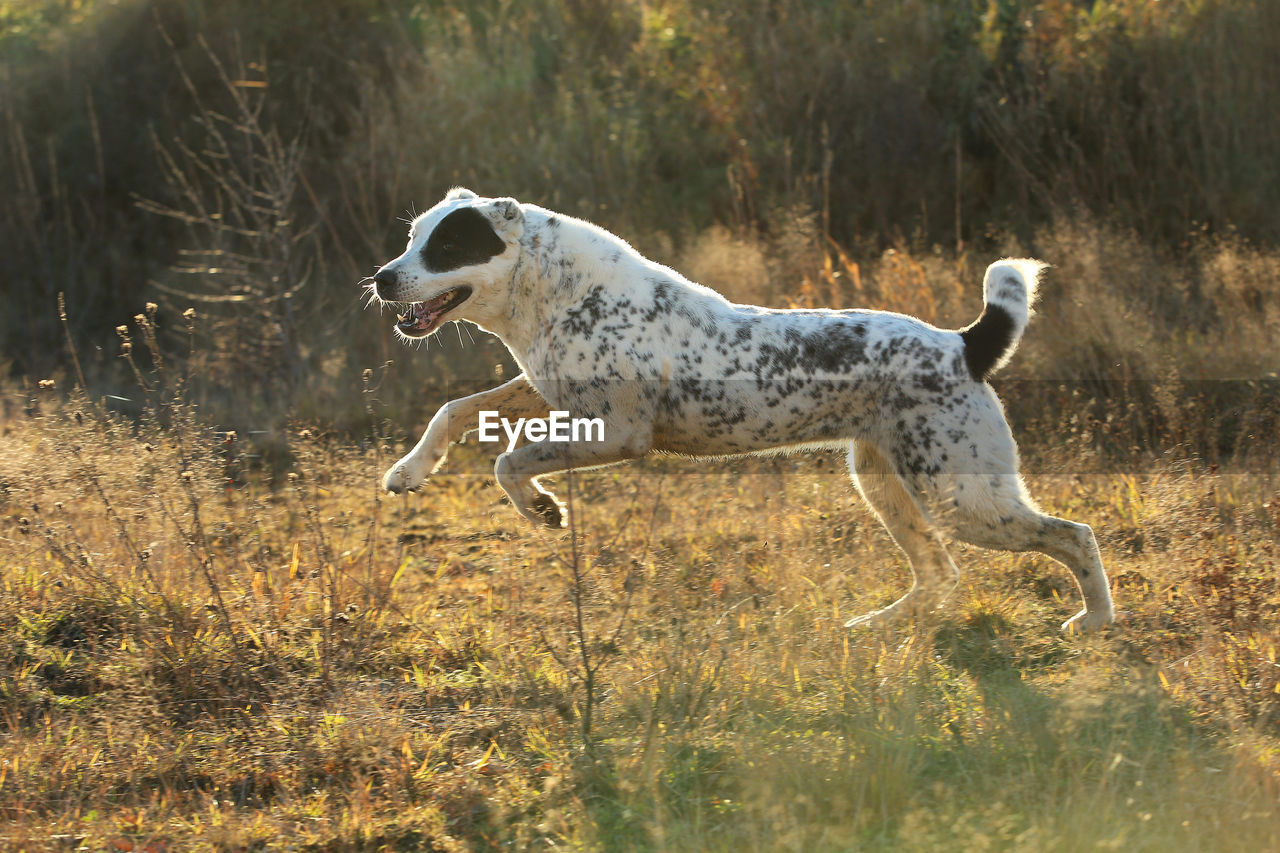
pixel 202 659
pixel 233 642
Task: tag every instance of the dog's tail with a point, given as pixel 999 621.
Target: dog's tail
pixel 1009 289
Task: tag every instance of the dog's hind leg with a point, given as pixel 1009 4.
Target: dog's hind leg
pixel 514 399
pixel 934 573
pixel 979 497
pixel 995 512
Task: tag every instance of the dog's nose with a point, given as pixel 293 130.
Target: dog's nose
pixel 384 282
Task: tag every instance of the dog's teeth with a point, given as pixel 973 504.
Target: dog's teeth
pixel 402 318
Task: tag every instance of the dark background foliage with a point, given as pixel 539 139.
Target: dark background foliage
pixel 252 161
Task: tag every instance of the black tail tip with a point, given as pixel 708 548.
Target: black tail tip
pixel 988 341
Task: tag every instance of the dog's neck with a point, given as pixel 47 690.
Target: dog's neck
pixel 559 261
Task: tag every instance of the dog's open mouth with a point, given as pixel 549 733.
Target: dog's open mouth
pixel 423 318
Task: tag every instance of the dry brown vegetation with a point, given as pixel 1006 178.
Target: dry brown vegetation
pixel 199 662
pixel 217 634
pixel 203 655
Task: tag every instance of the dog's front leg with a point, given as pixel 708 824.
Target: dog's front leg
pixel 518 469
pixel 456 418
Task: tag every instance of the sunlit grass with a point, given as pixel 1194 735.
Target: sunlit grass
pixel 229 642
pixel 320 667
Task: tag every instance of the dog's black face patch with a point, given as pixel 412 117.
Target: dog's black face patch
pixel 464 238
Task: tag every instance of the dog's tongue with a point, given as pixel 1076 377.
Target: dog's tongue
pixel 422 314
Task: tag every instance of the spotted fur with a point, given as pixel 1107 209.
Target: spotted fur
pixel 672 366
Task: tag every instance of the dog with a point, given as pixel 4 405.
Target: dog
pixel 673 367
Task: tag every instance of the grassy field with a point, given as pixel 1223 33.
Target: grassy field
pixel 199 659
pixel 216 634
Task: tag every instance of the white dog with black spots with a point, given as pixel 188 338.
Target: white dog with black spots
pixel 671 366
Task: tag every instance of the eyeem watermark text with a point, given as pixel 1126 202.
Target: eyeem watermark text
pixel 558 427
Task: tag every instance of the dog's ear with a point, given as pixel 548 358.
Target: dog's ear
pixel 460 192
pixel 508 209
pixel 507 217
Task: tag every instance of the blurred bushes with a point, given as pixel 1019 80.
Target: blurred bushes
pixel 969 124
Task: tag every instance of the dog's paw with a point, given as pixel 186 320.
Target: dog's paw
pixel 1088 620
pixel 546 509
pixel 412 471
pixel 403 477
pixel 919 603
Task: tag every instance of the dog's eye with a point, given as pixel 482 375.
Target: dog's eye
pixel 448 247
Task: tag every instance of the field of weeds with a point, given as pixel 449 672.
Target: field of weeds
pixel 216 634
pixel 200 657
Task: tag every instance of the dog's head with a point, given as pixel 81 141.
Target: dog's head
pixel 457 264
